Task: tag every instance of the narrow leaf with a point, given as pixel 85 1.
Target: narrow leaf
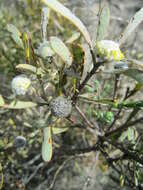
pixel 47 144
pixel 19 105
pixel 15 34
pixel 1 100
pixel 61 9
pixel 26 67
pixel 131 136
pixel 104 19
pixel 12 29
pixel 135 74
pixel 58 130
pixel 27 48
pixel 134 22
pixel 17 40
pixel 44 21
pixel 60 48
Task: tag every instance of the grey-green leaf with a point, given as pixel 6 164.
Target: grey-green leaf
pixel 135 74
pixel 17 104
pixel 62 50
pixel 16 35
pixel 47 144
pixel 65 12
pixel 104 19
pixel 134 22
pixel 58 130
pixel 44 21
pixel 26 67
pixel 2 102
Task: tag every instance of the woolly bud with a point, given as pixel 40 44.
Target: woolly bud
pixel 20 85
pixel 44 50
pixel 61 107
pixel 109 50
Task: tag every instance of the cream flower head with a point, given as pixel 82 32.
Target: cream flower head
pixel 20 85
pixel 109 50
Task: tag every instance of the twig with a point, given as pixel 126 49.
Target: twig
pixel 34 173
pixel 32 160
pixel 120 110
pixel 36 63
pixel 125 125
pixel 84 117
pixel 129 154
pixel 88 76
pixel 117 77
pixel 58 171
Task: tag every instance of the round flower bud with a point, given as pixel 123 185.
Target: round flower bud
pixel 109 50
pixel 44 50
pixel 61 107
pixel 19 142
pixel 20 85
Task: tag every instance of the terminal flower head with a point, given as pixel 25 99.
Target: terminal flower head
pixel 109 50
pixel 20 85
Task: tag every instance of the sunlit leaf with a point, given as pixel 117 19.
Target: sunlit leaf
pixel 136 178
pixel 12 29
pixel 27 48
pixel 134 22
pixel 73 38
pixel 26 67
pixel 15 34
pixel 60 48
pixel 123 136
pixel 61 9
pixel 58 130
pixel 47 144
pixel 122 180
pixel 104 19
pixel 44 21
pixel 132 134
pixel 1 177
pixel 1 100
pixel 19 105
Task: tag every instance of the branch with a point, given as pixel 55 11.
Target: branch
pixel 88 76
pixel 126 125
pixel 84 117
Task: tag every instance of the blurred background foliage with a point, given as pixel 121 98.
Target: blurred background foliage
pixel 24 169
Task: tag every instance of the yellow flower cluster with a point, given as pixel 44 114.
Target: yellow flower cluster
pixel 109 50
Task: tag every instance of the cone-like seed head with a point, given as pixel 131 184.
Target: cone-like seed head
pixel 109 50
pixel 19 142
pixel 61 107
pixel 20 85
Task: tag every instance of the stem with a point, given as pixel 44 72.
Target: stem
pixel 88 76
pixel 84 117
